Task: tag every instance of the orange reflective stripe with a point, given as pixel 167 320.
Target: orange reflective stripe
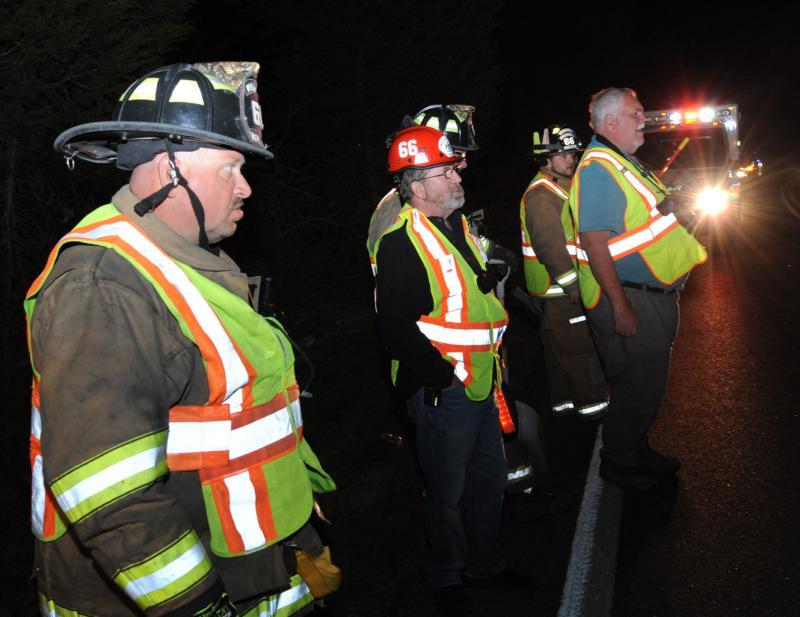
pixel 264 515
pixel 222 500
pixel 434 263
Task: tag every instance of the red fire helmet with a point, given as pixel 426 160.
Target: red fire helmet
pixel 420 147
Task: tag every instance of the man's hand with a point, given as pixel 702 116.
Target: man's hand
pixel 624 319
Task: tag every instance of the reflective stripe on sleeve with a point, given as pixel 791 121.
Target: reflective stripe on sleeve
pixel 48 608
pixel 285 603
pixel 588 410
pixel 519 473
pixel 575 320
pixel 564 407
pixel 168 574
pixel 111 475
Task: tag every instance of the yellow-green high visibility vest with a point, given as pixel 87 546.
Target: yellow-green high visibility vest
pixel 465 325
pixel 537 278
pixel 257 472
pixel 668 250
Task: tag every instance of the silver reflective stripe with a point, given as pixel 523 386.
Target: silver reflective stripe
pixel 566 279
pixel 36 422
pixel 520 472
pixel 654 229
pixel 575 320
pixel 588 410
pixel 110 476
pixel 37 497
pixel 243 509
pixel 167 574
pixel 264 431
pixel 454 299
pixel 470 337
pixel 564 406
pixel 186 437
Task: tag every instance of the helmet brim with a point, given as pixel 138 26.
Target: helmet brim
pixel 97 142
pixel 551 153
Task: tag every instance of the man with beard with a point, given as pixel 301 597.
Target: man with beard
pixel 634 256
pixel 442 324
pixel 574 374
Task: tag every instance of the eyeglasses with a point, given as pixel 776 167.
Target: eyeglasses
pixel 447 173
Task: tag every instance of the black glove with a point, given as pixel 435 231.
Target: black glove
pixel 507 257
pixel 681 207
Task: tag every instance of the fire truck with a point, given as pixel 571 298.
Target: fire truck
pixel 695 151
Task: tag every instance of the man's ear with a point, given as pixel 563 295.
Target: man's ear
pixel 163 168
pixel 418 189
pixel 611 121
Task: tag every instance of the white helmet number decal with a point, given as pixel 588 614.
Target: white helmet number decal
pixel 256 109
pixel 444 146
pixel 407 148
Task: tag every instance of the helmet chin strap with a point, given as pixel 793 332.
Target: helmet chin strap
pixel 148 204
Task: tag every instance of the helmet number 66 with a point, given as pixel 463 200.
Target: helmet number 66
pixel 407 148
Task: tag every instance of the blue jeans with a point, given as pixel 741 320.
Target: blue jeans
pixel 460 450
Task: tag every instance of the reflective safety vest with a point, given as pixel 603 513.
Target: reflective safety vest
pixel 257 473
pixel 537 278
pixel 465 324
pixel 668 250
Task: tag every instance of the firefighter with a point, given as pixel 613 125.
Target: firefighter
pixel 442 323
pixel 170 472
pixel 634 257
pixel 455 121
pixel 574 373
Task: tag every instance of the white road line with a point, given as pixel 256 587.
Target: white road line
pixel 589 584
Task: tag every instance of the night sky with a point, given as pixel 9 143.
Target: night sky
pixel 549 59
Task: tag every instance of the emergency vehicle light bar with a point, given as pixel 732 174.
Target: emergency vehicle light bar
pixel 708 115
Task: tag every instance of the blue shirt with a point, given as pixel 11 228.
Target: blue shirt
pixel 602 208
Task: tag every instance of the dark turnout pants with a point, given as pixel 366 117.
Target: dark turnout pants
pixel 574 373
pixel 459 447
pixel 636 369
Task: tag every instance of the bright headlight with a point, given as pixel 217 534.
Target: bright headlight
pixel 712 201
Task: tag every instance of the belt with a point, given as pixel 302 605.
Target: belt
pixel 650 288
